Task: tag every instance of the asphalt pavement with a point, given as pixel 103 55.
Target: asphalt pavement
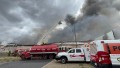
pixel 25 64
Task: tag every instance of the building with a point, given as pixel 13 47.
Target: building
pixel 72 44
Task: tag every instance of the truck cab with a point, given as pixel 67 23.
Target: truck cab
pixel 74 54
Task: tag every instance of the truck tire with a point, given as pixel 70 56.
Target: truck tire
pixel 44 56
pixel 51 56
pixel 29 58
pixel 22 57
pixel 63 60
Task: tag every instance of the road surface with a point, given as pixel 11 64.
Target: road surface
pixel 25 64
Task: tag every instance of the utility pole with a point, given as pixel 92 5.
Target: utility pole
pixel 72 20
pixel 75 38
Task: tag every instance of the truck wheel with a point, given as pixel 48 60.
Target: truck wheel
pixel 40 56
pixel 51 56
pixel 63 60
pixel 22 57
pixel 44 56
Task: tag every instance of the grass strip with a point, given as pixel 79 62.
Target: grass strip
pixel 8 59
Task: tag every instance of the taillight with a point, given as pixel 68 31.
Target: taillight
pixel 101 59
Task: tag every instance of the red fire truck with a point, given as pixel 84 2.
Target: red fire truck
pixel 105 53
pixel 43 51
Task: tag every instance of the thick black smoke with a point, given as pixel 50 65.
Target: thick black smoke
pixel 25 21
pixel 98 18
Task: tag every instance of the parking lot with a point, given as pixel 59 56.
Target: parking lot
pixel 57 64
pixel 44 64
pixel 25 64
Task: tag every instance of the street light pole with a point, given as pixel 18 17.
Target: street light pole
pixel 75 38
pixel 72 20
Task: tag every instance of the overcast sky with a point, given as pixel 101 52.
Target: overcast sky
pixel 25 21
pixel 98 17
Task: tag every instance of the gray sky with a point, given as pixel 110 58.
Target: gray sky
pixel 25 21
pixel 97 18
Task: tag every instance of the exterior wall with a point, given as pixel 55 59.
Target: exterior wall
pixel 71 44
pixel 23 47
pixel 7 49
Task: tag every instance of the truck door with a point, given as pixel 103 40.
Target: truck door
pixel 71 55
pixel 79 55
pixel 76 55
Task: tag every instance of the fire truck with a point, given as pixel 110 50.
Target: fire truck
pixel 44 51
pixel 105 53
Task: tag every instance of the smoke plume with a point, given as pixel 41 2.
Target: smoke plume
pixel 97 18
pixel 26 21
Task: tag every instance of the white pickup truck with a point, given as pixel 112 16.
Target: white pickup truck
pixel 75 54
